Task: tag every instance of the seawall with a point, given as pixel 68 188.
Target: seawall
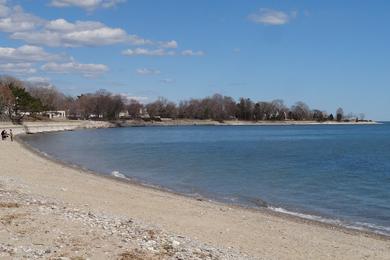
pixel 40 127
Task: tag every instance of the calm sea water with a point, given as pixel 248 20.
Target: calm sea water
pixel 337 174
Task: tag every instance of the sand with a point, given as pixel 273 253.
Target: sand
pixel 236 232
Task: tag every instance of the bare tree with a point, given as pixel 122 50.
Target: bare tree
pixel 70 105
pixel 230 107
pixel 362 116
pixel 301 111
pixel 170 110
pixel 134 108
pixel 84 106
pixel 319 115
pixel 262 111
pixel 351 116
pixel 339 114
pixel 7 101
pixel 278 109
pixel 50 97
pixel 154 109
pixel 99 105
pixel 191 109
pixel 218 107
pixel 114 106
pixel 163 108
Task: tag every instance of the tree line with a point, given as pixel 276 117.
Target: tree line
pixel 18 97
pixel 221 108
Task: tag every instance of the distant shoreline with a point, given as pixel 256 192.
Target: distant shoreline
pixel 194 122
pixel 30 127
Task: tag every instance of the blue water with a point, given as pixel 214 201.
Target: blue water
pixel 338 174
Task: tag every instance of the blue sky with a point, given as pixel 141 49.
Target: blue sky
pixel 325 53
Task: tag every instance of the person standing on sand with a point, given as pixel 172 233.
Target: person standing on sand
pixel 11 135
pixel 3 135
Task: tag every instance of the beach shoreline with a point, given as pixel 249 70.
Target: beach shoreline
pixel 69 125
pixel 259 233
pixel 207 122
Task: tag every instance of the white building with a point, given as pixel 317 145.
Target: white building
pixel 61 114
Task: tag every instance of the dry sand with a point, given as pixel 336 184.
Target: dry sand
pixel 51 210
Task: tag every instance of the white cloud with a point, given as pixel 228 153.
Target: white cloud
pixel 15 19
pixel 17 68
pixel 99 36
pixel 25 53
pixel 60 32
pixel 136 40
pixel 147 72
pixel 147 52
pixel 42 82
pixel 129 97
pixel 272 17
pixel 63 33
pixel 4 10
pixel 38 80
pixel 86 4
pixel 62 25
pixel 192 53
pixel 159 52
pixel 87 70
pixel 167 81
pixel 169 45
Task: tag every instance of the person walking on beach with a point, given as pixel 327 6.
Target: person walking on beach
pixel 3 135
pixel 11 135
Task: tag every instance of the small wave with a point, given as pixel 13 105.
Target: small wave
pixel 355 225
pixel 306 216
pixel 118 175
pixel 231 199
pixel 372 227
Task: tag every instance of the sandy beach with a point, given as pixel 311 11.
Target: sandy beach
pixel 50 210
